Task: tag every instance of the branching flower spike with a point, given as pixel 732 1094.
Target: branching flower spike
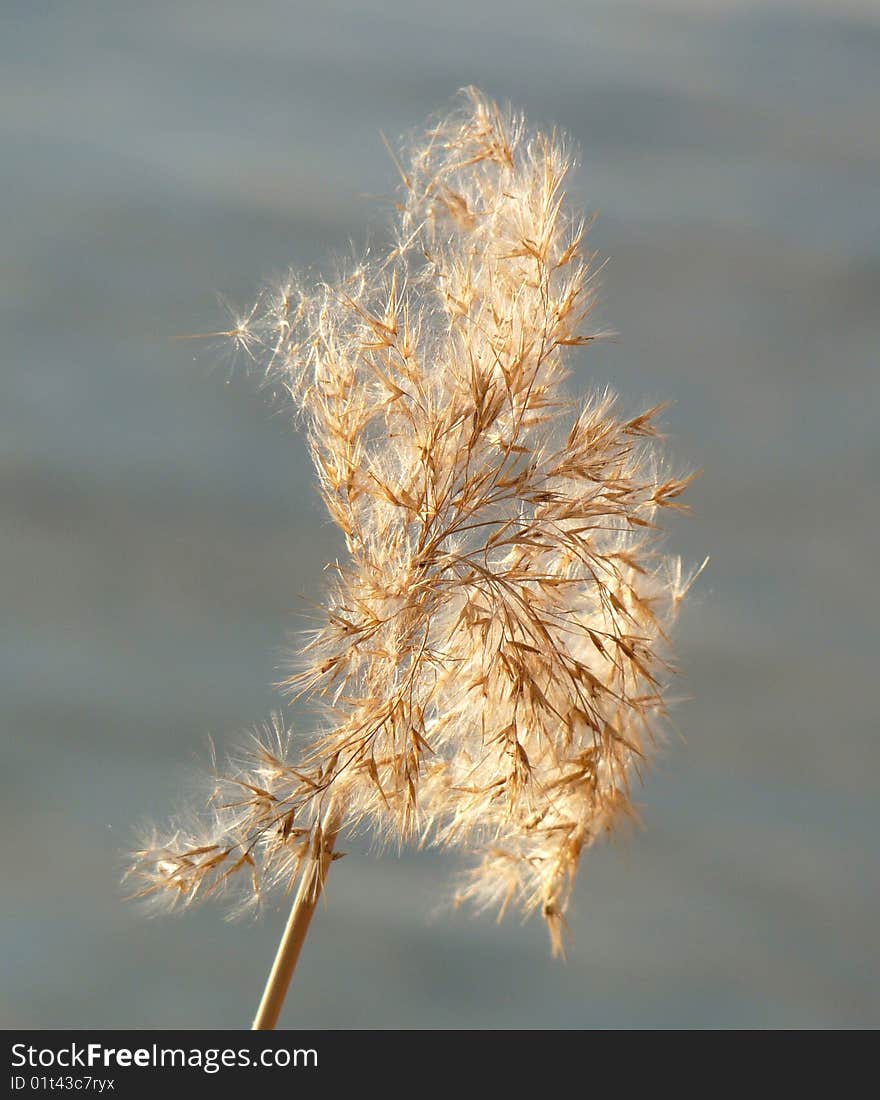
pixel 490 662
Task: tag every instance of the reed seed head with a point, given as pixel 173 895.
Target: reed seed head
pixel 491 657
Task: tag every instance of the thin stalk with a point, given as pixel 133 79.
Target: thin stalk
pixel 310 887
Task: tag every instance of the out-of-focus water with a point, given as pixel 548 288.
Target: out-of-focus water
pixel 159 523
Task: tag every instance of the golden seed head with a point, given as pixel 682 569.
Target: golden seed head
pixel 491 657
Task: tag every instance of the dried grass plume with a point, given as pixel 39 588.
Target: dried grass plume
pixel 491 659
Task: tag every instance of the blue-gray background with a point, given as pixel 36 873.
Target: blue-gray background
pixel 158 524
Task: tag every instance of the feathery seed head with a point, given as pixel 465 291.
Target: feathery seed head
pixel 491 658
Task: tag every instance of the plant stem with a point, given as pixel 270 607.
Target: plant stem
pixel 310 886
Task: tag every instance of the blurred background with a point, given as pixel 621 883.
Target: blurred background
pixel 159 525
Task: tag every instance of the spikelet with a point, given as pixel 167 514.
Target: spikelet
pixel 491 657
